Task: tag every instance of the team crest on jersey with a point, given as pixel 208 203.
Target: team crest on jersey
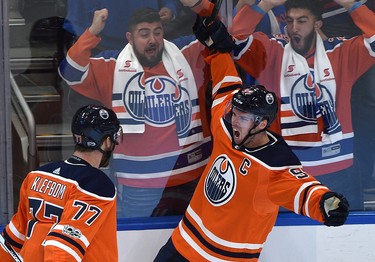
pixel 103 114
pixel 309 100
pixel 220 183
pixel 159 101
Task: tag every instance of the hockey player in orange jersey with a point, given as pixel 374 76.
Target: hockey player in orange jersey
pixel 67 209
pixel 250 174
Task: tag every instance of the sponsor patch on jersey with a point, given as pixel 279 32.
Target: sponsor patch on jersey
pixel 220 183
pixel 195 156
pixel 331 150
pixel 71 231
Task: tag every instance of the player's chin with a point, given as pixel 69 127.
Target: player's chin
pixel 237 139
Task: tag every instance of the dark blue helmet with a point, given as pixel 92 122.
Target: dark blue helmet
pixel 256 99
pixel 91 124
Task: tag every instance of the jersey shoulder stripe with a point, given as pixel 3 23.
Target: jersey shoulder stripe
pixel 284 156
pixel 89 178
pixel 266 154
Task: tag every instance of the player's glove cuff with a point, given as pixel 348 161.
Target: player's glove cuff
pixel 201 32
pixel 335 209
pixel 212 33
pixel 222 40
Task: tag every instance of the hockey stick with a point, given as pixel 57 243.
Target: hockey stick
pixel 214 13
pixel 217 5
pixel 10 250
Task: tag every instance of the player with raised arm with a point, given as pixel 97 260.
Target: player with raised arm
pixel 67 209
pixel 250 174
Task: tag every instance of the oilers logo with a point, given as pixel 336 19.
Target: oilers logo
pixel 220 183
pixel 310 101
pixel 158 101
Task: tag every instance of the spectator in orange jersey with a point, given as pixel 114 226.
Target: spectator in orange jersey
pixel 67 209
pixel 250 174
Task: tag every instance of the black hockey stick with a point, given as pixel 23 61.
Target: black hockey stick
pixel 10 250
pixel 217 5
pixel 214 13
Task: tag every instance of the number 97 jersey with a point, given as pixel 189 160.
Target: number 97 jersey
pixel 67 212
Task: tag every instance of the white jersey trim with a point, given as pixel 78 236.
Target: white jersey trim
pixel 217 239
pixel 63 247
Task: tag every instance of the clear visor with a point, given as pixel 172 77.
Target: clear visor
pixel 235 116
pixel 118 136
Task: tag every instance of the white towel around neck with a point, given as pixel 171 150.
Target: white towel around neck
pixel 301 93
pixel 128 67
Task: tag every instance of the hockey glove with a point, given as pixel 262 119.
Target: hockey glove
pixel 335 209
pixel 201 32
pixel 213 34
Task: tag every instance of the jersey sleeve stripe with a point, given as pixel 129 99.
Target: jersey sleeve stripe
pixel 233 82
pixel 218 240
pixel 242 46
pixel 74 74
pixel 214 249
pixel 298 195
pixel 301 211
pixel 370 45
pixel 193 244
pixel 11 241
pixel 63 247
pixel 15 232
pixel 308 198
pixel 69 240
pixel 218 101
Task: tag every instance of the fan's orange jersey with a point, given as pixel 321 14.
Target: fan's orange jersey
pixel 236 202
pixel 67 212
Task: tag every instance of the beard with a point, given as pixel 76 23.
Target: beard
pixel 105 159
pixel 307 43
pixel 104 162
pixel 145 61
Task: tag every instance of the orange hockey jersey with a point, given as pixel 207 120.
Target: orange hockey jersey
pixel 236 202
pixel 67 212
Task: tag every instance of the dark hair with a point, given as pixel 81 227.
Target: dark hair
pixel 314 6
pixel 141 15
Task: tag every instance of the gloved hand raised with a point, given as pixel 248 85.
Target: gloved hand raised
pixel 335 209
pixel 213 34
pixel 201 32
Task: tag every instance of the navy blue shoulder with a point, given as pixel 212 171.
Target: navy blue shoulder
pixel 277 153
pixel 88 178
pixel 183 41
pixel 107 54
pixel 332 42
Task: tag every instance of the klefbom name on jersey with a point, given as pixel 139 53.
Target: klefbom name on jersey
pixel 49 187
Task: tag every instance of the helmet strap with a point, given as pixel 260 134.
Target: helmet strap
pixel 106 155
pixel 249 134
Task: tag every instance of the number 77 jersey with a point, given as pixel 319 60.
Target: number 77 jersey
pixel 67 212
